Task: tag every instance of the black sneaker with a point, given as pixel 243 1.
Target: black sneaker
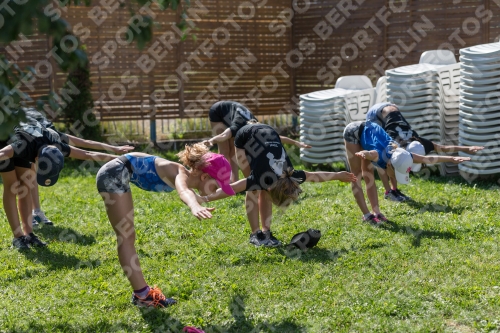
pixel 393 196
pixel 21 243
pixel 154 298
pixel 271 240
pixel 402 195
pixel 33 240
pixel 258 238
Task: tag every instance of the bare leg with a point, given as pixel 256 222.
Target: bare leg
pixel 252 208
pixel 233 161
pixel 35 197
pixel 356 169
pixel 385 179
pixel 27 178
pixel 11 186
pixel 224 148
pixel 252 197
pixel 120 210
pixel 266 210
pixel 371 187
pixel 394 182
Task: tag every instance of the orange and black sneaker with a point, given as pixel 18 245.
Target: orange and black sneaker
pixel 154 298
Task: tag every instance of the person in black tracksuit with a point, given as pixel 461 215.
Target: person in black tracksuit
pixel 226 119
pixel 31 113
pixel 270 178
pixel 33 143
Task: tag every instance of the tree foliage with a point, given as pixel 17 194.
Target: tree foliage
pixel 19 17
pixel 78 115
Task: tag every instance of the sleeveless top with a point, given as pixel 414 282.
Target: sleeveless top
pixel 144 174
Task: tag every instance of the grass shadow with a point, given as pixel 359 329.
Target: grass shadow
pixel 52 260
pixel 67 235
pixel 314 254
pixel 159 320
pixel 433 207
pixel 243 325
pixel 320 254
pixel 100 326
pixel 417 234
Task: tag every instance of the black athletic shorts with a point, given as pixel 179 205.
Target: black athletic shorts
pixel 10 164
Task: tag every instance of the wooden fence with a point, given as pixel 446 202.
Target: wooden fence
pixel 264 53
pixel 369 36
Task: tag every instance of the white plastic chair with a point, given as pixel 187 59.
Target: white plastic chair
pixel 438 57
pixel 381 90
pixel 354 82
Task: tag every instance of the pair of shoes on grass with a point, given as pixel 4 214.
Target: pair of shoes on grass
pixel 373 219
pixel 264 238
pixel 27 241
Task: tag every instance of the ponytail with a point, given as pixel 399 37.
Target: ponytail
pixel 285 190
pixel 192 156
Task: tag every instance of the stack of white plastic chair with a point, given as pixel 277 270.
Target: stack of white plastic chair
pixel 381 90
pixel 480 108
pixel 324 115
pixel 427 94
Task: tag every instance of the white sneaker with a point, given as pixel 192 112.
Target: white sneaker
pixel 40 217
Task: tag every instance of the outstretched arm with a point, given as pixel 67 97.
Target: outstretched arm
pixel 451 149
pixel 433 159
pixel 285 139
pixel 6 153
pixel 224 136
pixel 81 154
pixel 237 187
pixel 188 196
pixel 324 176
pixel 89 144
pixel 370 155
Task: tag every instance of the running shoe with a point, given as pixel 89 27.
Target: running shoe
pixel 33 240
pixel 21 243
pixel 258 238
pixel 381 217
pixel 372 219
pixel 402 195
pixel 271 240
pixel 393 196
pixel 40 217
pixel 154 298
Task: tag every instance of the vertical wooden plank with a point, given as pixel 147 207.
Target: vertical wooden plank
pixel 486 25
pixel 180 57
pixel 293 74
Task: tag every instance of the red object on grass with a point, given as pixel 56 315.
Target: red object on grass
pixel 190 329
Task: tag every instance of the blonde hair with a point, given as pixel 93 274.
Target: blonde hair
pixel 285 190
pixel 192 156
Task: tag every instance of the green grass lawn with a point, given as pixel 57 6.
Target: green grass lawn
pixel 434 268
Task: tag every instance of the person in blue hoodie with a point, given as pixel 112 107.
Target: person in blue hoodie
pixel 368 145
pixel 388 116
